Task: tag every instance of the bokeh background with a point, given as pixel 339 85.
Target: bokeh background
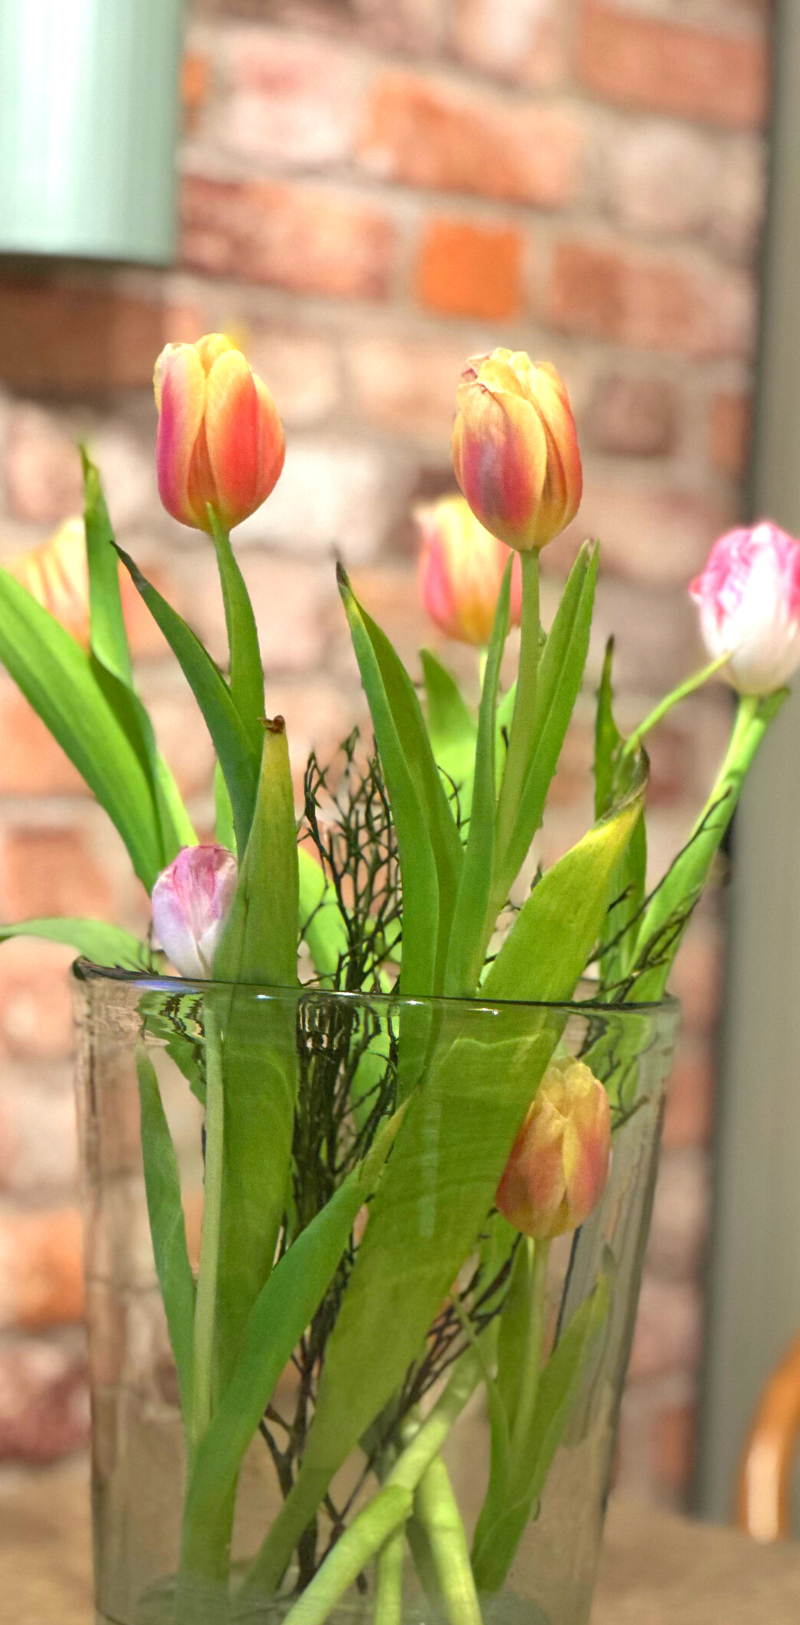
pixel 371 191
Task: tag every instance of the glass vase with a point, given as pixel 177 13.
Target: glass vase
pixel 350 1288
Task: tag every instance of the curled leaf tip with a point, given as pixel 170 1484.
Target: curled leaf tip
pixel 275 725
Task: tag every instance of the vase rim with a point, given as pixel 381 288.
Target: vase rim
pixel 84 970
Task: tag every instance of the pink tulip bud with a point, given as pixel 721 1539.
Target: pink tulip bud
pixel 560 1160
pixel 220 440
pixel 515 449
pixel 749 597
pixel 191 900
pixel 461 571
pixel 57 576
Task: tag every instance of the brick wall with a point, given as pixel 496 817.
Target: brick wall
pixel 373 190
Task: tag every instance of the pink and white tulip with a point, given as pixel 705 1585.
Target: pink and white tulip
pixel 749 598
pixel 560 1160
pixel 191 900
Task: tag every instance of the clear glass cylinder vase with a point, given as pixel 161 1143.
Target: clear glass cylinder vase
pixel 328 1378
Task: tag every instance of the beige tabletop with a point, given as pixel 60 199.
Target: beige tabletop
pixel 657 1569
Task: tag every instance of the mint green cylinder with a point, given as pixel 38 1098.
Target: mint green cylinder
pixel 89 113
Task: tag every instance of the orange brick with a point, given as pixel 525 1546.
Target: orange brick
pixel 469 270
pixel 66 338
pixel 599 290
pixel 195 81
pixel 645 62
pixel 427 132
pixel 729 428
pixel 31 763
pixel 41 1269
pixel 50 871
pixel 297 237
pixel 36 1021
pixel 675 1438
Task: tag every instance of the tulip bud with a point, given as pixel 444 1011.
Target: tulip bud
pixel 57 576
pixel 749 597
pixel 559 1163
pixel 220 440
pixel 461 571
pixel 515 449
pixel 191 900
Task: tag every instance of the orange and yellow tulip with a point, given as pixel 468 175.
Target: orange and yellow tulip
pixel 220 439
pixel 56 574
pixel 560 1160
pixel 461 571
pixel 515 448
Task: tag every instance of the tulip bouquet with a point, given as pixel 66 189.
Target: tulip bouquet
pixel 382 1180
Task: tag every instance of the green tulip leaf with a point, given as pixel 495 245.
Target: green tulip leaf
pixel 93 939
pixel 167 1227
pixel 452 730
pixel 247 674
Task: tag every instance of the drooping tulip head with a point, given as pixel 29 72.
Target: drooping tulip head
pixel 220 440
pixel 749 598
pixel 515 448
pixel 461 571
pixel 56 574
pixel 191 899
pixel 560 1160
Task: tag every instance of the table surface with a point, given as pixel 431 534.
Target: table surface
pixel 657 1569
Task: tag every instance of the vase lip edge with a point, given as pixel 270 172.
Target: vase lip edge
pixel 85 971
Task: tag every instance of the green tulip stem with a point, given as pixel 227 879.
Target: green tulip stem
pixel 436 1508
pixel 390 1509
pixel 538 1253
pixel 388 1606
pixel 688 687
pixel 524 706
pixel 206 1303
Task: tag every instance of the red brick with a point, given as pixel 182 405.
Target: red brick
pixel 38 1132
pixel 407 384
pixel 44 1402
pixel 523 42
pixel 633 417
pixel 729 426
pixel 43 469
pixel 41 1269
pixel 661 535
pixel 642 61
pixel 675 1440
pixel 428 132
pixel 65 338
pixel 299 368
pixel 602 291
pixel 31 763
pixel 294 101
pixel 302 238
pixel 51 871
pixel 690 1097
pixel 470 270
pixel 36 1021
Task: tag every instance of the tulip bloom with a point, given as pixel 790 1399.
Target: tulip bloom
pixel 57 576
pixel 749 598
pixel 220 440
pixel 560 1160
pixel 191 900
pixel 461 571
pixel 515 448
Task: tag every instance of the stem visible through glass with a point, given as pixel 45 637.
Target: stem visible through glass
pixel 206 1304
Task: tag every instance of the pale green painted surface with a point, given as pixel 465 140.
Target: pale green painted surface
pixel 89 110
pixel 755 1266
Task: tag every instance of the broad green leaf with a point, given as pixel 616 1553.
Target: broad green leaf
pixel 283 1309
pixel 510 1501
pixel 425 1220
pixel 549 944
pixel 239 760
pixel 109 641
pixel 247 674
pixel 321 924
pixel 607 738
pixel 428 840
pixel 92 939
pixel 259 946
pixel 224 832
pixel 68 690
pixel 452 729
pixel 612 772
pixel 467 939
pixel 558 684
pixel 668 910
pixel 167 1227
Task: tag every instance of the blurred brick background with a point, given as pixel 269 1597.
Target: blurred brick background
pixel 372 191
